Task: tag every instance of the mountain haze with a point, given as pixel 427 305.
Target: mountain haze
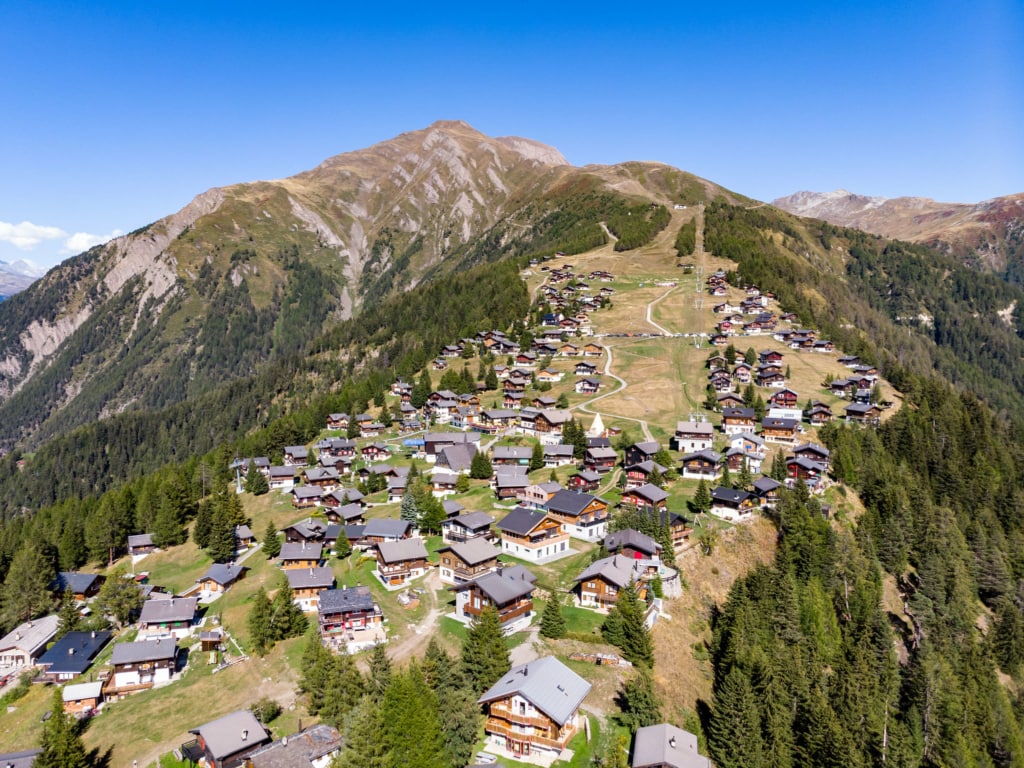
pixel 988 234
pixel 253 272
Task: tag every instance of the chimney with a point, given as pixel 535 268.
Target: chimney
pixel 93 634
pixel 245 734
pixel 672 742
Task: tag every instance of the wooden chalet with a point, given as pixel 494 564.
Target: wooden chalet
pixel 693 436
pixel 632 544
pixel 80 700
pixel 399 562
pixel 464 527
pixel 141 665
pixel 174 616
pixel 508 589
pixel 349 618
pixel 532 535
pixel 731 503
pixel 819 413
pixel 301 554
pixel 296 456
pixel 701 465
pixel 84 586
pixel 648 498
pixel 582 516
pixel 776 430
pixel 784 398
pixel 306 496
pixel 816 453
pixel 737 420
pixel 465 560
pixel 805 469
pixel 337 421
pixel 226 741
pixel 584 481
pixel 643 473
pixel 533 709
pixel 767 490
pixel 600 460
pixel 307 584
pixel 600 583
pixel 384 529
pixel 220 577
pixel 863 413
pixel 140 544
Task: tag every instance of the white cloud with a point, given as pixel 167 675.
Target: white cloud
pixel 83 241
pixel 26 236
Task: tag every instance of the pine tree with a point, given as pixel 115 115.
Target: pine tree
pixel 60 744
pixel 364 745
pixel 491 382
pixel 380 672
pixel 421 390
pixel 344 689
pixel 167 530
pixel 480 467
pixel 537 457
pixel 702 498
pixel 385 417
pixel 745 479
pixel 120 597
pixel 412 728
pixel 286 617
pixel 734 735
pixel 258 622
pixel 552 622
pixel 461 483
pixel 409 511
pixel 201 528
pixel 656 478
pixel 611 627
pixel 431 513
pixel 271 541
pixel 222 538
pixel 72 554
pixel 637 645
pixel 342 547
pixel 639 701
pixel 69 618
pixel 26 590
pixel 778 468
pixel 726 481
pixel 485 656
pixel 315 669
pixel 255 481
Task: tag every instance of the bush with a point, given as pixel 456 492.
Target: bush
pixel 266 709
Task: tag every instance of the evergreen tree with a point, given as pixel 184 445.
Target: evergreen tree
pixel 553 475
pixel 259 623
pixel 639 701
pixel 750 357
pixel 552 622
pixel 537 457
pixel 726 481
pixel 255 481
pixel 734 737
pixel 409 511
pixel 380 672
pixel 412 728
pixel 637 645
pixel 461 483
pixel 480 467
pixel 315 667
pixel 432 513
pixel 421 390
pixel 286 617
pixel 26 590
pixel 745 480
pixel 562 402
pixel 69 619
pixel 345 688
pixel 72 554
pixel 611 627
pixel 342 547
pixel 702 498
pixel 485 656
pixel 656 478
pixel 749 395
pixel 777 471
pixel 364 746
pixel 491 382
pixel 710 398
pixel 60 744
pixel 120 597
pixel 222 537
pixel 204 520
pixel 271 541
pixel 352 430
pixel 167 530
pixel 385 417
pixel 759 407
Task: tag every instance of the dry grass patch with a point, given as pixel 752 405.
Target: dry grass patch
pixel 682 671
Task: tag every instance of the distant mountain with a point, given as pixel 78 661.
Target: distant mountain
pixel 987 234
pixel 252 272
pixel 17 276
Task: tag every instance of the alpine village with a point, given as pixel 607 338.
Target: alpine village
pixel 449 453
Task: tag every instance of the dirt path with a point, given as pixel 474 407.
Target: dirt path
pixel 650 308
pixel 416 642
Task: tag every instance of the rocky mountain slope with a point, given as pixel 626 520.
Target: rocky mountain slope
pixel 252 272
pixel 986 234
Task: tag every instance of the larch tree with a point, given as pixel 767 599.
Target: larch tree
pixel 485 657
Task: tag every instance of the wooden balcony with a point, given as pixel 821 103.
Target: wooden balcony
pixel 501 728
pixel 503 712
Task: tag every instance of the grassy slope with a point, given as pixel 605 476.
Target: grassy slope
pixel 666 382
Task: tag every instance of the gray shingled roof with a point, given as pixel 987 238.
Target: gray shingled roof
pixel 222 574
pixel 617 569
pixel 474 551
pixel 302 550
pixel 501 586
pixel 729 495
pixel 629 537
pixel 145 650
pixel 140 540
pixel 310 578
pixel 473 520
pixel 79 583
pixel 521 520
pixel 405 549
pixel 223 736
pixel 31 636
pixel 299 749
pixel 386 526
pixel 665 745
pixel 569 502
pixel 348 600
pixel 173 609
pixel 546 683
pixel 650 492
pixel 766 484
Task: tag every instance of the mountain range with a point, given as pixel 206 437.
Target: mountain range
pixel 252 272
pixel 989 234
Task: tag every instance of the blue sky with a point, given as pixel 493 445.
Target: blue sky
pixel 117 114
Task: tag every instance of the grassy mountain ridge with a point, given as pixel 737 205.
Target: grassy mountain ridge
pixel 251 273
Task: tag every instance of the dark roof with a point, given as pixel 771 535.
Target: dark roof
pixel 738 413
pixel 546 683
pixel 299 749
pixel 222 573
pixel 140 540
pixel 386 526
pixel 79 583
pixel 224 736
pixel 501 586
pixel 766 484
pixel 172 609
pixel 308 578
pixel 569 502
pixel 347 600
pixel 145 650
pixel 713 456
pixel 775 423
pixel 404 549
pixel 617 569
pixel 650 492
pixel 730 495
pixel 521 520
pixel 629 537
pixel 74 652
pixel 473 520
